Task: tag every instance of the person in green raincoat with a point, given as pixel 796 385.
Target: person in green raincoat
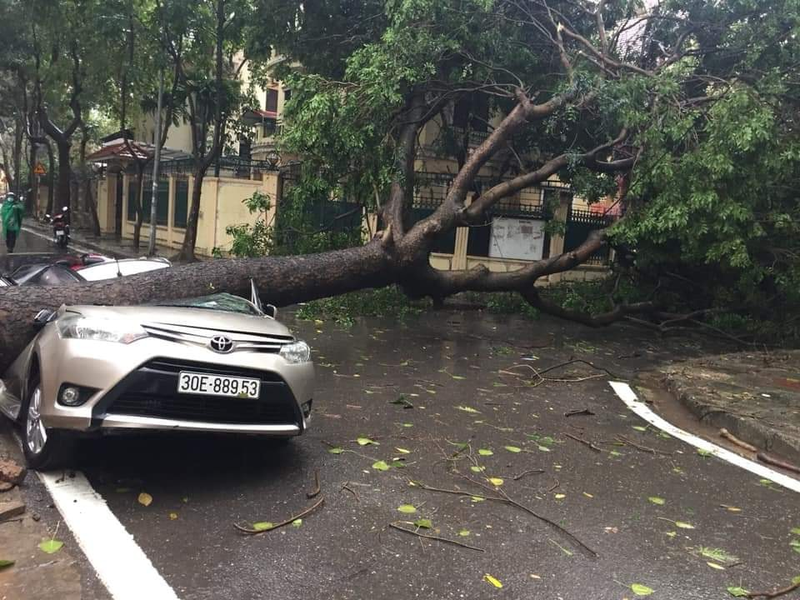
pixel 11 213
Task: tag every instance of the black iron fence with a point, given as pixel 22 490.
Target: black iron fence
pixel 580 223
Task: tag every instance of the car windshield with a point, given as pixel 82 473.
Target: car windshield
pixel 222 302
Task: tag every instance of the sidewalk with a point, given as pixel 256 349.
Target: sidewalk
pixel 34 574
pixel 755 396
pixel 108 244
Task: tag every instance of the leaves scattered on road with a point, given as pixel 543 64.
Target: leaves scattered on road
pixel 145 499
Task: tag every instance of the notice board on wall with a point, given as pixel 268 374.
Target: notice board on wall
pixel 521 239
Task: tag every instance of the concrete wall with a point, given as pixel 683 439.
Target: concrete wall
pixel 221 205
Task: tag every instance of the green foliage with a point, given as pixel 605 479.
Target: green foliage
pixel 383 302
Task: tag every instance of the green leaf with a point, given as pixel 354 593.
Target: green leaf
pixel 464 533
pixel 641 590
pixel 51 546
pixel 684 525
pixel 544 449
pixel 496 481
pixel 403 451
pixel 657 500
pixel 297 523
pixel 468 409
pixel 703 452
pixel 795 580
pixel 717 554
pixel 263 526
pixel 365 441
pixel 381 465
pixel 424 523
pixel 640 428
pixel 614 453
pixel 738 592
pixel 795 531
pixel 398 464
pixel 407 509
pixel 4 564
pixel 336 450
pixel 485 452
pixel 478 498
pixel 513 449
pixel 477 469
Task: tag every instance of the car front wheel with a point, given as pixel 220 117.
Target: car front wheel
pixel 44 448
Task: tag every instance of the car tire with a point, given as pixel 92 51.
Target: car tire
pixel 45 449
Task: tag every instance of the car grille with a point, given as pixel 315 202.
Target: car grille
pixel 150 391
pixel 198 336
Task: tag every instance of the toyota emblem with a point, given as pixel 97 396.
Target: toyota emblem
pixel 221 344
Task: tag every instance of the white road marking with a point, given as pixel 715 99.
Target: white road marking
pixel 80 249
pixel 628 396
pixel 121 565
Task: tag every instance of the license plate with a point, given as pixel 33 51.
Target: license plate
pixel 218 385
pixel 59 233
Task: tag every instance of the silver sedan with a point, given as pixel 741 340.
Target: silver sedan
pixel 218 363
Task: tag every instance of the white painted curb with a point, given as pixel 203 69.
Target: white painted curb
pixel 121 565
pixel 628 396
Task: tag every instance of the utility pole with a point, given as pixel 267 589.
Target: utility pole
pixel 151 248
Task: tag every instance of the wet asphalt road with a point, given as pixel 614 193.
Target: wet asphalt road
pixel 449 366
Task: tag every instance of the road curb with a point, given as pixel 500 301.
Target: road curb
pixel 745 428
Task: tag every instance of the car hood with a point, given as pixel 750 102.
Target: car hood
pixel 188 317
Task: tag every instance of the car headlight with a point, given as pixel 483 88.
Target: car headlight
pixel 296 352
pixel 103 330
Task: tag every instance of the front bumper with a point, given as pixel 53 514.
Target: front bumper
pixel 134 386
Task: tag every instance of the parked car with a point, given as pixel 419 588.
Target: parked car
pixel 218 363
pixel 59 273
pixel 120 268
pixel 74 262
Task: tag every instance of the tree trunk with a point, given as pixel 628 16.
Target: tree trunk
pixel 137 226
pixel 51 188
pixel 190 239
pixel 92 205
pixel 32 178
pixel 281 280
pixel 63 188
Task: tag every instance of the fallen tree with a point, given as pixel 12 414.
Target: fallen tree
pixel 571 95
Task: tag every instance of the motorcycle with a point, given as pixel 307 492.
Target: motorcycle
pixel 60 223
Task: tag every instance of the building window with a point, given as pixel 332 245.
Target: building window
pixel 133 196
pixel 272 100
pixel 180 210
pixel 287 95
pixel 269 128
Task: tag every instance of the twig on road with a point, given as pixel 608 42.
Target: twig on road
pixel 766 458
pixel 317 489
pixel 776 593
pixel 732 438
pixel 307 511
pixel 579 411
pixel 624 440
pixel 528 472
pixel 434 537
pixel 352 491
pixel 583 441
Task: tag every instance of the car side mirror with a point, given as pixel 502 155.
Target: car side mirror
pixel 43 317
pixel 271 311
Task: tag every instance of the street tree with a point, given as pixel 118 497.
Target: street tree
pixel 678 111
